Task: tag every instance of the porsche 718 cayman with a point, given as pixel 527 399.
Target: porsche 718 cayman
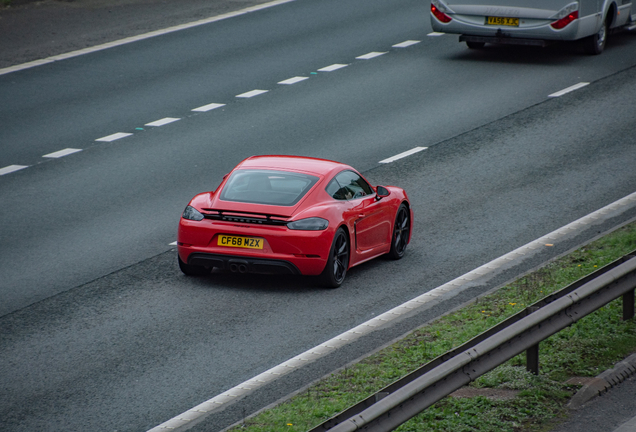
pixel 293 215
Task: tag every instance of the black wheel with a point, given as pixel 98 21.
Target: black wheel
pixel 475 45
pixel 192 270
pixel 336 269
pixel 401 233
pixel 595 44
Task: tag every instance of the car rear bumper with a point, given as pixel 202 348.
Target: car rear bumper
pixel 283 251
pixel 532 30
pixel 238 264
pixel 504 41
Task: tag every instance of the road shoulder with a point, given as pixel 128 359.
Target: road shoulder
pixel 36 30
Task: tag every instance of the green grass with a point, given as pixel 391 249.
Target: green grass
pixel 584 349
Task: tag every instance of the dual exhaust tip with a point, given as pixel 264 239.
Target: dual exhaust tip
pixel 238 266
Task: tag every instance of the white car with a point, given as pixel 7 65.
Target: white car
pixel 532 22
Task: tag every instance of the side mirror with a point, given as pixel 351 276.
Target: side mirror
pixel 381 192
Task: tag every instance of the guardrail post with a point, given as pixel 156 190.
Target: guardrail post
pixel 628 305
pixel 532 359
pixel 532 353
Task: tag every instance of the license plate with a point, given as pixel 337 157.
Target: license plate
pixel 240 242
pixel 503 21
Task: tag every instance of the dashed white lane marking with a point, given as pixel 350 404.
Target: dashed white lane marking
pixel 208 107
pixel 569 89
pixel 403 155
pixel 333 67
pixel 173 243
pixel 422 302
pixel 371 55
pixel 141 37
pixel 113 137
pixel 293 80
pixel 12 168
pixel 436 34
pixel 407 43
pixel 62 153
pixel 252 93
pixel 163 121
pixel 203 108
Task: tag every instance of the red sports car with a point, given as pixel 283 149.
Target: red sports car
pixel 293 215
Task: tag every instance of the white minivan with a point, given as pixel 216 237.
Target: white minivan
pixel 532 22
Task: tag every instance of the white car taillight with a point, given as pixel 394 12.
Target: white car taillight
pixel 439 10
pixel 565 16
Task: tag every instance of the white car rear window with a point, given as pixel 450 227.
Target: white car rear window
pixel 267 187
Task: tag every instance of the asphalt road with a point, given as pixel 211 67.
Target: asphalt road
pixel 100 331
pixel 613 411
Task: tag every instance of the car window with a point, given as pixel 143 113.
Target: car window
pixel 336 191
pixel 267 187
pixel 348 185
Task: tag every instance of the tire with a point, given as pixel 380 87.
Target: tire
pixel 595 44
pixel 192 270
pixel 401 232
pixel 475 45
pixel 338 262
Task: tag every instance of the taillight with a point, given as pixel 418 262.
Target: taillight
pixel 558 25
pixel 439 15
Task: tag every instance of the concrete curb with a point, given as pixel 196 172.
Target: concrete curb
pixel 605 381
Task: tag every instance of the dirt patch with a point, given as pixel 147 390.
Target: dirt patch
pixel 495 394
pixel 580 381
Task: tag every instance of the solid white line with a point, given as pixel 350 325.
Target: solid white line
pixel 436 34
pixel 569 89
pixel 371 55
pixel 163 121
pixel 333 67
pixel 424 301
pixel 293 80
pixel 62 153
pixel 407 43
pixel 113 137
pixel 403 155
pixel 12 168
pixel 141 37
pixel 252 93
pixel 208 107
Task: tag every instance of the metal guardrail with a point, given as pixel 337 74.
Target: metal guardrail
pixel 407 397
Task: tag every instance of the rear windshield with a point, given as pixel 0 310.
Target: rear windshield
pixel 267 187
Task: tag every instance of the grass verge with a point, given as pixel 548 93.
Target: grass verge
pixel 584 349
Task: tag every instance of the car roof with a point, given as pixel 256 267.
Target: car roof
pixel 308 165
